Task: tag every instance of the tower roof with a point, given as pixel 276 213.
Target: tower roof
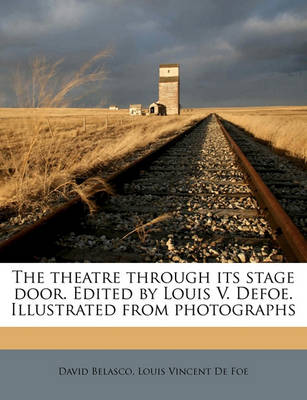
pixel 169 65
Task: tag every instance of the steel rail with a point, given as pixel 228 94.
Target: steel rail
pixel 25 245
pixel 285 232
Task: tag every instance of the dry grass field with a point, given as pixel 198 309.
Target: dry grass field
pixel 285 128
pixel 44 149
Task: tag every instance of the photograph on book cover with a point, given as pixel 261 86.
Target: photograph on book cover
pixel 124 276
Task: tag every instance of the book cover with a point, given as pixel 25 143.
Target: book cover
pixel 159 304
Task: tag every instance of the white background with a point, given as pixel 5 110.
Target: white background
pixel 297 292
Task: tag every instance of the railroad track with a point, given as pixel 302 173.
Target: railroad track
pixel 286 181
pixel 190 201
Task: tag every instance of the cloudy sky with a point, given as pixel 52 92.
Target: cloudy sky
pixel 231 52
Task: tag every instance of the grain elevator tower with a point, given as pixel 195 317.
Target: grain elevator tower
pixel 169 88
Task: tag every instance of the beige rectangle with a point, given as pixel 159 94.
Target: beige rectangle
pixel 154 338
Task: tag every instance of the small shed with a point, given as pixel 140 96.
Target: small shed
pixel 157 109
pixel 113 108
pixel 135 109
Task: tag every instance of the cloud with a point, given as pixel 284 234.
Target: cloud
pixel 281 24
pixel 276 45
pixel 54 16
pixel 226 49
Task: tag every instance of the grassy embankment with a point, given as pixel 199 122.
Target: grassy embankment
pixel 43 150
pixel 285 128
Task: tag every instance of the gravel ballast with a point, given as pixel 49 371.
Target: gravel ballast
pixel 200 206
